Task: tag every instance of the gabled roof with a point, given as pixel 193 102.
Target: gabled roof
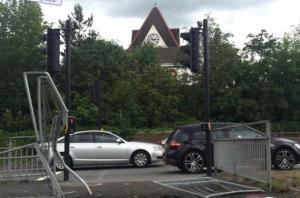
pixel 155 18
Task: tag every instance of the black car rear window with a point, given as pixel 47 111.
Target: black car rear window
pixel 175 134
pixel 198 135
pixel 179 134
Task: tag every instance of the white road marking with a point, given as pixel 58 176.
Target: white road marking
pixel 46 177
pixel 102 175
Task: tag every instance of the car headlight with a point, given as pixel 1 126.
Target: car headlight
pixel 158 148
pixel 297 146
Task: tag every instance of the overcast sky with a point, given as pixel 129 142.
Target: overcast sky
pixel 115 19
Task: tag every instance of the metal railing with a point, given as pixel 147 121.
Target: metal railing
pixel 246 157
pixel 20 163
pixel 19 158
pixel 16 141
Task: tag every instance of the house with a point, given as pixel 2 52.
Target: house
pixel 155 30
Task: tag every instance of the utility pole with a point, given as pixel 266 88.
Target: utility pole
pixel 207 100
pixel 68 29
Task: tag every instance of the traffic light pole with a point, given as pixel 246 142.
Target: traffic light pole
pixel 207 100
pixel 68 30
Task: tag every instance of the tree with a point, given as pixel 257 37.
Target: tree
pixel 97 65
pixel 82 27
pixel 147 94
pixel 21 27
pixel 273 79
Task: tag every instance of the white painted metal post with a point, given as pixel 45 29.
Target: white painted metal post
pixel 268 154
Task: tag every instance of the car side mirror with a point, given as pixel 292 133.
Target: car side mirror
pixel 119 141
pixel 163 142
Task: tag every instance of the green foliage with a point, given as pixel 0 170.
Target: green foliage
pixel 11 123
pixel 21 27
pixel 82 27
pixel 84 111
pixel 127 89
pixel 290 126
pixel 147 94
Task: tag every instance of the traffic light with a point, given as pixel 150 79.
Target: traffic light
pixel 52 50
pixel 192 49
pixel 71 124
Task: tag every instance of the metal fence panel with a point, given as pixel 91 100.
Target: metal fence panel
pixel 247 157
pixel 21 163
pixel 49 118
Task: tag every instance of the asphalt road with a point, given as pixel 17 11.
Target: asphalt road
pixel 118 182
pixel 110 174
pixel 128 181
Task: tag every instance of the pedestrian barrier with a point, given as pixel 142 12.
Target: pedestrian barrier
pixel 19 163
pixel 49 118
pixel 244 155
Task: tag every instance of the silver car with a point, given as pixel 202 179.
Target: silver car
pixel 92 148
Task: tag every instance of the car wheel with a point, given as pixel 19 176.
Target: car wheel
pixel 193 162
pixel 284 159
pixel 140 159
pixel 59 166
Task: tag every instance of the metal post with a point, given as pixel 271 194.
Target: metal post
pixel 68 30
pixel 10 146
pixel 31 107
pixel 268 155
pixel 207 99
pixel 98 101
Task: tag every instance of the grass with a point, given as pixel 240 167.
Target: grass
pixel 286 179
pixel 285 183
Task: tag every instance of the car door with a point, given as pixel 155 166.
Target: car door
pixel 83 149
pixel 109 151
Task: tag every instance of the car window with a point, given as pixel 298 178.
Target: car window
pixel 175 134
pixel 180 134
pixel 198 135
pixel 82 138
pixel 105 138
pixel 243 132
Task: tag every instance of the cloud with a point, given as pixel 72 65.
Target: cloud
pixel 129 8
pixel 178 12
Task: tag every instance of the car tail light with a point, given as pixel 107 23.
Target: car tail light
pixel 174 143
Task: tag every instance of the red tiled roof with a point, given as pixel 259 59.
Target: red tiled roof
pixel 170 37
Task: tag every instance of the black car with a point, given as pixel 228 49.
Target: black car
pixel 185 146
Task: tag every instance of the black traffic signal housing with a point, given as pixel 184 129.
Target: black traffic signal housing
pixel 52 50
pixel 192 49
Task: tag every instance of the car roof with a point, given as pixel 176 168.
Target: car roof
pixel 86 131
pixel 91 131
pixel 191 127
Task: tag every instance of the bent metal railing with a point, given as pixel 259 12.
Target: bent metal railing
pixel 246 157
pixel 49 118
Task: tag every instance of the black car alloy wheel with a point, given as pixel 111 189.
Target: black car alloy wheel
pixel 284 159
pixel 193 162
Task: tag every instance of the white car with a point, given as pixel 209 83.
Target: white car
pixel 92 148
